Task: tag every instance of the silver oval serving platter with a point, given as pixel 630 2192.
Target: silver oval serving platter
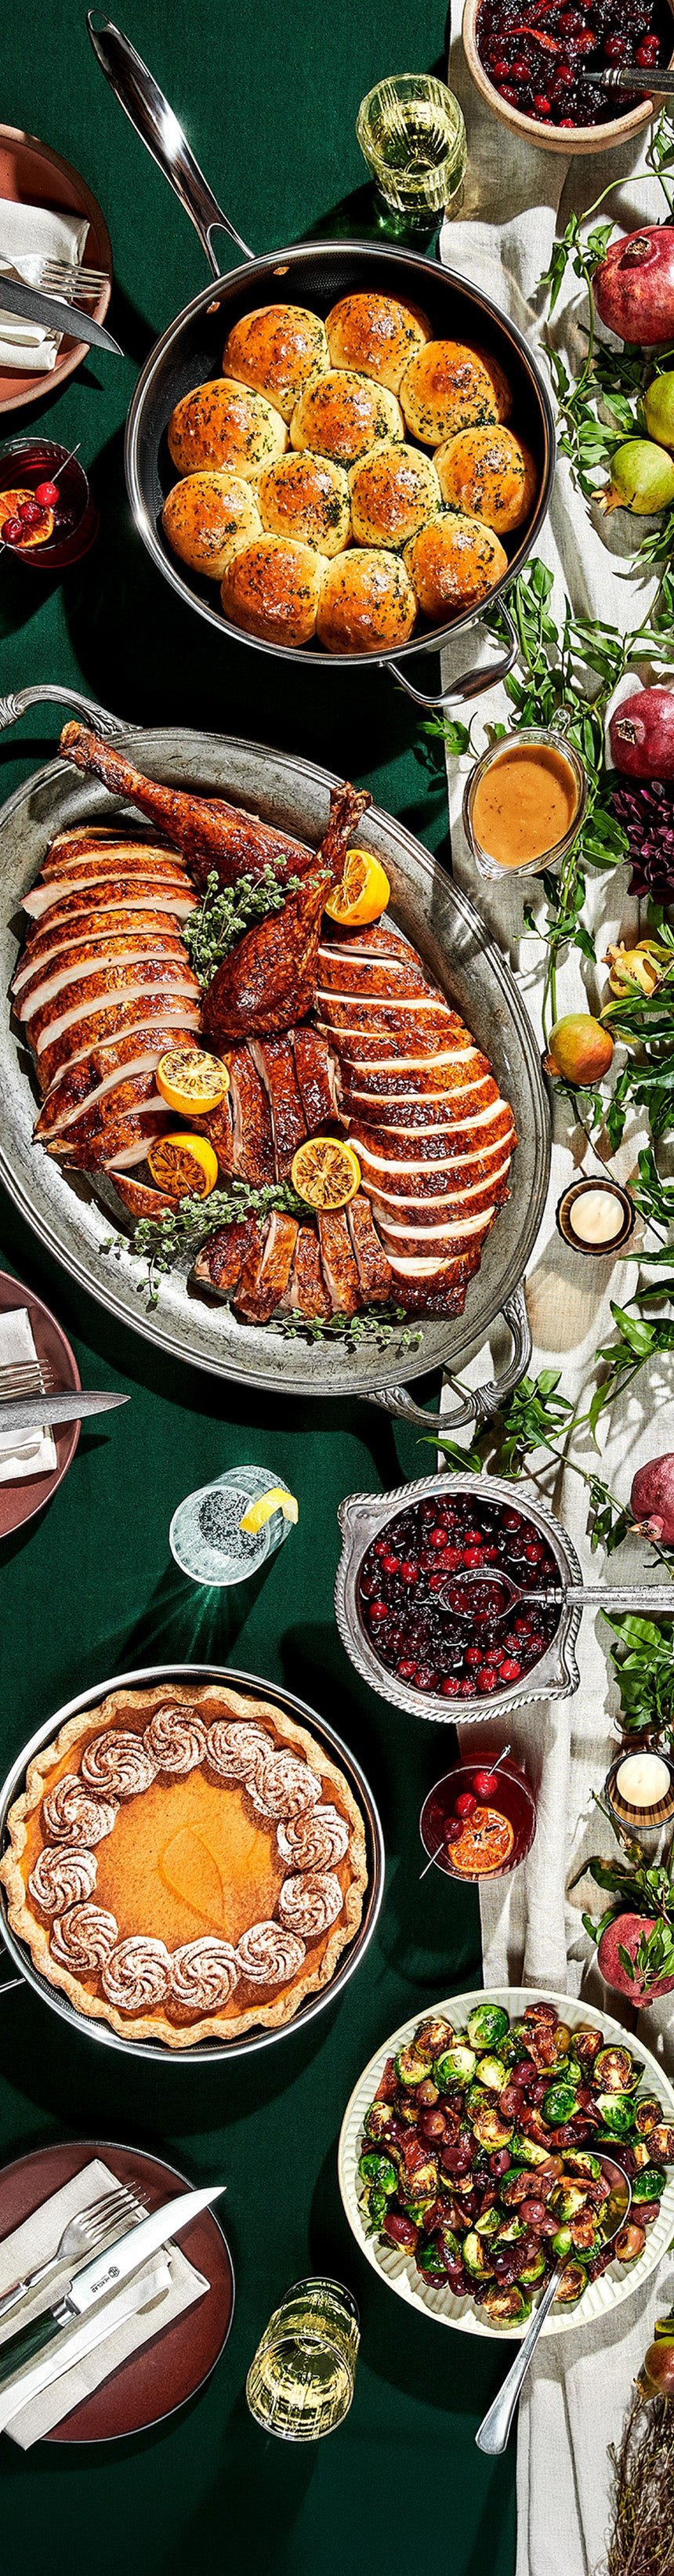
pixel 71 1219
pixel 205 2052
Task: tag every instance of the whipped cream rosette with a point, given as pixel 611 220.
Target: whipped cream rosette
pixel 83 1937
pixel 62 1877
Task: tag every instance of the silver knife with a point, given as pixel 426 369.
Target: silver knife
pixel 94 2281
pixel 54 314
pixel 74 1404
pixel 64 2355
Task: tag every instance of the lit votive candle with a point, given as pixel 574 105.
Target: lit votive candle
pixel 640 1792
pixel 595 1217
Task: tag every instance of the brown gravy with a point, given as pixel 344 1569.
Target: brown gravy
pixel 524 804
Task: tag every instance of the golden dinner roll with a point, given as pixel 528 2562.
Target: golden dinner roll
pixel 488 472
pixel 343 414
pixel 393 489
pixel 206 516
pixel 307 497
pixel 376 334
pixel 222 424
pixel 272 588
pixel 367 603
pixel 453 562
pixel 277 350
pixel 447 387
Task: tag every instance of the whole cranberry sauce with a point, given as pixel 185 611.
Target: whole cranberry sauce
pixel 536 51
pixel 463 1638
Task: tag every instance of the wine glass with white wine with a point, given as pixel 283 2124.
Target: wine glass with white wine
pixel 301 2379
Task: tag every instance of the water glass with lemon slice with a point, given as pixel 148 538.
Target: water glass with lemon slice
pixel 227 1530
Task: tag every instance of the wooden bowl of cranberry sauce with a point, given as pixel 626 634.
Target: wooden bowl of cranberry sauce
pixel 527 61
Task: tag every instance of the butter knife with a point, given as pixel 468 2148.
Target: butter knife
pixel 64 2355
pixel 54 313
pixel 74 1404
pixel 94 2280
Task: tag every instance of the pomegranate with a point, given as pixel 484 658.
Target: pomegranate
pixel 580 1049
pixel 642 732
pixel 658 2368
pixel 625 1933
pixel 634 286
pixel 652 1498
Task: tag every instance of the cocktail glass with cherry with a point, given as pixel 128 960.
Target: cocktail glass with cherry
pixel 48 518
pixel 479 1821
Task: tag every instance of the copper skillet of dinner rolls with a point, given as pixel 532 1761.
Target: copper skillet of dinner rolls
pixel 272 588
pixel 367 603
pixel 453 562
pixel 206 515
pixel 393 489
pixel 277 350
pixel 222 423
pixel 343 414
pixel 448 386
pixel 488 472
pixel 375 334
pixel 307 496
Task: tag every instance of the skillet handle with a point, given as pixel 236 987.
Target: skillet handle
pixel 472 683
pixel 17 704
pixel 148 110
pixel 478 1403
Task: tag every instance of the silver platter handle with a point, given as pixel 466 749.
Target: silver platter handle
pixel 7 1984
pixel 479 1403
pixel 148 110
pixel 17 704
pixel 471 684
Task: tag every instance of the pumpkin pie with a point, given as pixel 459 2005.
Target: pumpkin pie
pixel 185 1863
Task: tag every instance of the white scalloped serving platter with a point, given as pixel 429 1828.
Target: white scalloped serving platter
pixel 399 2271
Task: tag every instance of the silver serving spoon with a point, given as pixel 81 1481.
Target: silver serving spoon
pixel 574 1596
pixel 657 83
pixel 495 2427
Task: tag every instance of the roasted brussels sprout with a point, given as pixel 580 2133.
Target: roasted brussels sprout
pixel 412 2064
pixel 379 2173
pixel 429 2261
pixel 562 2243
pixel 533 2269
pixel 641 2150
pixel 571 2286
pixel 526 2151
pixel 379 2119
pixel 448 2240
pixel 492 2073
pixel 581 2165
pixel 491 2128
pixel 568 2200
pixel 489 2222
pixel 486 2026
pixel 511 2230
pixel 646 2116
pixel 421 2185
pixel 661 2141
pixel 649 2184
pixel 506 2307
pixel 615 2071
pixel 456 2065
pixel 617 2112
pixel 559 2104
pixel 587 2043
pixel 434 2034
pixel 477 2256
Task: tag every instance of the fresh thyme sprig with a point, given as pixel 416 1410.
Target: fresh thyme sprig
pixel 164 1241
pixel 225 912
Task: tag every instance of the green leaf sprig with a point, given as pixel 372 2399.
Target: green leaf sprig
pixel 225 912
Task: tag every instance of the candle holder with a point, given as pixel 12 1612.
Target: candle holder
pixel 581 1194
pixel 647 1823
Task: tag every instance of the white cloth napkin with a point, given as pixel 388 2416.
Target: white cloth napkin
pixel 32 2243
pixel 28 236
pixel 35 1453
pixel 579 2386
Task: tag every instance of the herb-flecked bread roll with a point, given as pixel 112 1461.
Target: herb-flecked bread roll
pixel 375 334
pixel 367 602
pixel 206 516
pixel 449 386
pixel 393 490
pixel 488 472
pixel 343 414
pixel 307 496
pixel 277 350
pixel 453 562
pixel 223 424
pixel 272 588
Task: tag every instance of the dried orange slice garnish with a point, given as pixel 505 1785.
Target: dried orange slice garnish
pixel 186 1166
pixel 364 891
pixel 191 1081
pixel 325 1172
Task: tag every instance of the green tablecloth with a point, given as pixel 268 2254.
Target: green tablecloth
pixel 269 98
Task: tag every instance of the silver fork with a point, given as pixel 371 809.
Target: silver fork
pixel 23 1377
pixel 68 277
pixel 103 2219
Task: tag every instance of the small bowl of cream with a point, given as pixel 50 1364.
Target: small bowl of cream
pixel 596 1217
pixel 524 802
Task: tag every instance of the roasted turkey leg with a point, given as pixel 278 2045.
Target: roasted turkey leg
pixel 211 833
pixel 268 982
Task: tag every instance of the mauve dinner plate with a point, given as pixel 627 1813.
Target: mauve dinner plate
pixel 170 2368
pixel 20 1501
pixel 32 175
